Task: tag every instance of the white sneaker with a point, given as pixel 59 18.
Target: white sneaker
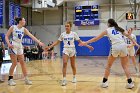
pixel 74 80
pixel 28 82
pixel 104 85
pixel 130 85
pixel 64 83
pixel 11 82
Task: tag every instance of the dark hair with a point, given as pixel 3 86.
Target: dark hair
pixel 17 19
pixel 112 23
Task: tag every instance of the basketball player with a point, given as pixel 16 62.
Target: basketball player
pixel 118 48
pixel 2 52
pixel 69 50
pixel 16 48
pixel 130 47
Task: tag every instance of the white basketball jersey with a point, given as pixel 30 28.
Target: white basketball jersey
pixel 114 36
pixel 17 34
pixel 68 39
pixel 128 41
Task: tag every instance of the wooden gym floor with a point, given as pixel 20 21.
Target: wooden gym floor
pixel 46 76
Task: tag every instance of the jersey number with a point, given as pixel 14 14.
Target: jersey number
pixel 19 36
pixel 115 32
pixel 68 43
pixel 128 41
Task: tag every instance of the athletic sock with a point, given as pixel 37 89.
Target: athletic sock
pixel 104 80
pixel 64 78
pixel 10 77
pixel 129 80
pixel 26 77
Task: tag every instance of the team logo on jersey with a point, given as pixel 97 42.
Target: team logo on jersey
pixel 19 32
pixel 68 38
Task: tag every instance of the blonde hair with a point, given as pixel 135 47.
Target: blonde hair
pixel 70 23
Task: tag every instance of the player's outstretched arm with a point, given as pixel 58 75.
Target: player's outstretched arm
pixel 33 37
pixel 88 46
pixel 94 39
pixel 54 44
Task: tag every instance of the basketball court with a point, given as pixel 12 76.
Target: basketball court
pixel 46 76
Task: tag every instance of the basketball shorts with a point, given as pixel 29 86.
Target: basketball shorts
pixel 17 48
pixel 119 49
pixel 131 51
pixel 69 51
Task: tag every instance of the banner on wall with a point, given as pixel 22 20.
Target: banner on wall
pixel 1 12
pixel 14 11
pixel 87 22
pixel 17 10
pixel 11 13
pixel 27 41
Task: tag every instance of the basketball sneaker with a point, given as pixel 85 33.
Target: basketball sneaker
pixel 64 83
pixel 104 85
pixel 28 82
pixel 74 80
pixel 130 85
pixel 11 82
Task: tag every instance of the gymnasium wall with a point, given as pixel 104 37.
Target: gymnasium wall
pixel 37 18
pixel 47 33
pixel 48 17
pixel 53 17
pixel 47 25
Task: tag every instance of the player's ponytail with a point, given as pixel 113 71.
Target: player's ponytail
pixel 112 23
